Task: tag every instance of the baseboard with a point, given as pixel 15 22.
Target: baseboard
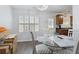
pixel 23 41
pixel 29 42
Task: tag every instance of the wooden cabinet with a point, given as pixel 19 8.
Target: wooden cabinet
pixel 4 49
pixel 11 39
pixel 59 19
pixel 71 21
pixel 9 45
pixel 62 31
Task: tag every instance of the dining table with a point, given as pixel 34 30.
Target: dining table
pixel 56 40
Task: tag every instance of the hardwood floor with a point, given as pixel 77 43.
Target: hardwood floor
pixel 24 48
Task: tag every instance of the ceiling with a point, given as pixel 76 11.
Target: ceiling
pixel 51 8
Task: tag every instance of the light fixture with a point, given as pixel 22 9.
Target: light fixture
pixel 42 7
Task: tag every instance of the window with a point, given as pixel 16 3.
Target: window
pixel 50 23
pixel 51 29
pixel 28 23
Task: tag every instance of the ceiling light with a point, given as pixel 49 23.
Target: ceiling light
pixel 42 7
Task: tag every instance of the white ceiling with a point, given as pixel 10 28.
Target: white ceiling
pixel 51 8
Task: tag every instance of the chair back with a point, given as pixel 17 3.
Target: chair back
pixel 70 32
pixel 33 43
pixel 76 44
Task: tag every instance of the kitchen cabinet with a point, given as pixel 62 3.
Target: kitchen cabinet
pixel 62 31
pixel 59 19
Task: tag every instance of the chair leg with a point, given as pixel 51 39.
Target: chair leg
pixel 51 51
pixel 34 51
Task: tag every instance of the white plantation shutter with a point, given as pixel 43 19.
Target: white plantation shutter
pixel 28 23
pixel 21 24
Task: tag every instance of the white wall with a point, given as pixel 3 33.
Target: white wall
pixel 76 17
pixel 5 16
pixel 44 16
pixel 76 21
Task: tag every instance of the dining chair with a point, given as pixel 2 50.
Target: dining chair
pixel 33 43
pixel 76 44
pixel 70 31
pixel 39 48
pixel 76 47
